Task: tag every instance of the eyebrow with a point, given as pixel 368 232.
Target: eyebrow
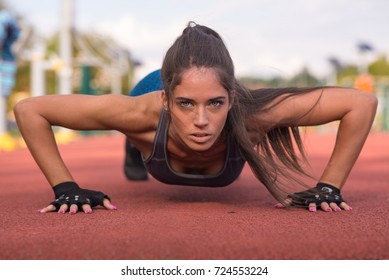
pixel 190 99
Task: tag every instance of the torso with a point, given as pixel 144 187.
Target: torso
pixel 171 164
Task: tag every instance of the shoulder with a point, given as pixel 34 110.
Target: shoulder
pixel 137 114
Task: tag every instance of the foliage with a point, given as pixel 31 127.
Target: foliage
pixel 303 78
pixel 380 67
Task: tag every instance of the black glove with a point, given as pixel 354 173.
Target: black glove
pixel 321 193
pixel 70 193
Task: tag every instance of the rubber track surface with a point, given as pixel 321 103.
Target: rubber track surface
pixel 157 221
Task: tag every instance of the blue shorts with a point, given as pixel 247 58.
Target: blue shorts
pixel 152 82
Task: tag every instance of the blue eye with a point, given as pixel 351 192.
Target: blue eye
pixel 217 103
pixel 185 103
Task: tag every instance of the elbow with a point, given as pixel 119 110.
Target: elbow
pixel 22 111
pixel 19 108
pixel 365 108
pixel 371 105
pixel 365 102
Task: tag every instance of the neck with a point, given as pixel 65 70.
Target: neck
pixel 179 149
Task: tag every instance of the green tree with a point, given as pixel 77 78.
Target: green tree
pixel 304 79
pixel 380 67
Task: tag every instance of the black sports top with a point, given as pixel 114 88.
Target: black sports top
pixel 158 164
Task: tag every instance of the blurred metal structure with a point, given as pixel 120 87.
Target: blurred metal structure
pixel 65 47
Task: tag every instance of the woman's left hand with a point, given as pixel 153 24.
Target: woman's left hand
pixel 323 196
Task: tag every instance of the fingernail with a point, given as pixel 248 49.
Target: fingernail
pixel 72 211
pixel 328 210
pixel 39 210
pixel 278 205
pixel 338 209
pixel 61 211
pixel 114 207
pixel 88 211
pixel 312 209
pixel 350 208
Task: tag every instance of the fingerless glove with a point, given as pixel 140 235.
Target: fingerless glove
pixel 321 193
pixel 70 193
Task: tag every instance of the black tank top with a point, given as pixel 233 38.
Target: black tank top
pixel 158 165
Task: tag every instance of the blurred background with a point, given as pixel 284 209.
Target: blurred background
pixel 105 46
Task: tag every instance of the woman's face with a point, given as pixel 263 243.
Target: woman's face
pixel 199 107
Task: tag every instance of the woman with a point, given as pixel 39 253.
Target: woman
pixel 203 126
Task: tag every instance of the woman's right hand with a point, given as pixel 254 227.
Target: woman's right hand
pixel 70 197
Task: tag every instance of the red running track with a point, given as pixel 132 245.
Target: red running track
pixel 157 221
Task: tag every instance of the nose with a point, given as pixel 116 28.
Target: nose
pixel 201 117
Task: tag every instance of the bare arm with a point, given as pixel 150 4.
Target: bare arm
pixel 355 110
pixel 36 116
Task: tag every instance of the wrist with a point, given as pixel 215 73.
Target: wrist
pixel 328 188
pixel 64 187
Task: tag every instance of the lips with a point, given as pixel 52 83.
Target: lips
pixel 200 137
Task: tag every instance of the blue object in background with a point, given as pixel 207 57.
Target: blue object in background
pixel 9 33
pixel 151 82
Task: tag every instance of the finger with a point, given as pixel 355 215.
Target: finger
pixel 73 209
pixel 325 207
pixel 335 207
pixel 49 208
pixel 345 206
pixel 63 208
pixel 86 208
pixel 312 207
pixel 287 203
pixel 107 204
pixel 279 205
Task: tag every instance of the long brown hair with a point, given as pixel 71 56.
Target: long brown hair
pixel 278 154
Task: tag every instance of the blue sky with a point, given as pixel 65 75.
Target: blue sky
pixel 264 36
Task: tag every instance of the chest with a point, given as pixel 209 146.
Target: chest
pixel 197 165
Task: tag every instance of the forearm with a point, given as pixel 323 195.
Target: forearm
pixel 353 130
pixel 39 137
